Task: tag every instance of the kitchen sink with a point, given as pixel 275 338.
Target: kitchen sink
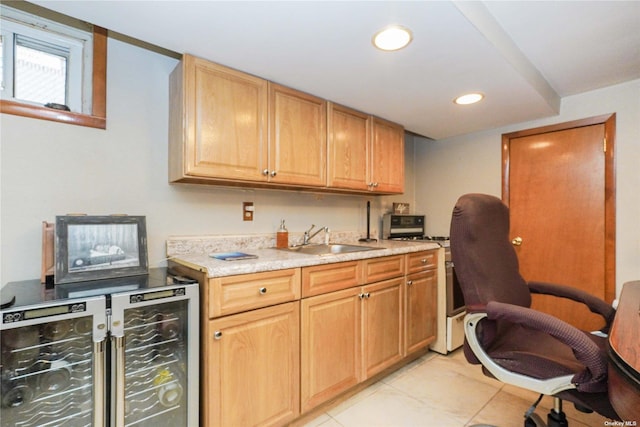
pixel 330 249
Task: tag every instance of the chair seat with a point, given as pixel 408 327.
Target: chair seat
pixel 536 354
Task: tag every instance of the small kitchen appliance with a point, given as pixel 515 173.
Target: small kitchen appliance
pixel 402 226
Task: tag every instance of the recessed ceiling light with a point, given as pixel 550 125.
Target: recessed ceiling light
pixel 470 98
pixel 392 38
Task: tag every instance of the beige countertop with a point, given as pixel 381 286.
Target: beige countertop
pixel 270 259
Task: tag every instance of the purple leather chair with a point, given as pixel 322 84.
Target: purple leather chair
pixel 515 344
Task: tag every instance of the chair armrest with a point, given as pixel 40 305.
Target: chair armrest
pixel 595 305
pixel 593 378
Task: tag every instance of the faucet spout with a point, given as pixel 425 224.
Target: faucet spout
pixel 307 236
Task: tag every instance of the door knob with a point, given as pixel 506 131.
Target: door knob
pixel 517 241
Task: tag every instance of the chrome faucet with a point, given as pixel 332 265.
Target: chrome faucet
pixel 307 236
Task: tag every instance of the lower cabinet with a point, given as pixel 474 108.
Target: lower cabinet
pixel 330 358
pixel 421 307
pixel 268 356
pixel 349 336
pixel 251 368
pixel 382 325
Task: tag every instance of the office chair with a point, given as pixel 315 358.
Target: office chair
pixel 512 342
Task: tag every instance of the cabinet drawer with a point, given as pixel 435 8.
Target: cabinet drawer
pixel 382 268
pixel 234 294
pixel 320 279
pixel 420 261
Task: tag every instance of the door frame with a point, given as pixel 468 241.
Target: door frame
pixel 609 121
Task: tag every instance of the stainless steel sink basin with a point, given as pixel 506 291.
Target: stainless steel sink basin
pixel 330 249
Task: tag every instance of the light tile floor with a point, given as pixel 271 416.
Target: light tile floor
pixel 442 391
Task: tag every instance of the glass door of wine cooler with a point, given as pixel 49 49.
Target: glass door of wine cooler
pixel 52 364
pixel 154 353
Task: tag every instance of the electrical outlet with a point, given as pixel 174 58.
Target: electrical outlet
pixel 247 211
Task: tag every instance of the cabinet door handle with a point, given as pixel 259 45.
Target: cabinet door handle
pixel 367 295
pixel 217 335
pixel 262 291
pixel 265 172
pixel 375 184
pixel 273 173
pixel 409 282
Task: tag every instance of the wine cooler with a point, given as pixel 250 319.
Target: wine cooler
pixel 104 353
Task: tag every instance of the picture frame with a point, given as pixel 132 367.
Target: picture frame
pixel 400 208
pixel 99 247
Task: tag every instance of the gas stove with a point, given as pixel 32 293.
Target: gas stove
pixel 443 241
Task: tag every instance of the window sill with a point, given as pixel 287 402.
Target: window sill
pixel 37 112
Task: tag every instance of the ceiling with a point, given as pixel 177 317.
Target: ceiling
pixel 524 56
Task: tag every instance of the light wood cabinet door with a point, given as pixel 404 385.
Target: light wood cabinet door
pixel 349 146
pixel 382 325
pixel 297 137
pixel 421 308
pixel 218 126
pixel 252 371
pixel 330 353
pixel 387 157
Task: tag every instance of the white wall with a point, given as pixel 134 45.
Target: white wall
pixel 451 167
pixel 50 169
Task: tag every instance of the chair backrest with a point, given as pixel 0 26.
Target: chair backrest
pixel 484 259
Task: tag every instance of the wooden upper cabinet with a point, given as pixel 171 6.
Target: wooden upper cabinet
pixel 298 137
pixel 218 122
pixel 387 157
pixel 365 153
pixel 228 127
pixel 348 148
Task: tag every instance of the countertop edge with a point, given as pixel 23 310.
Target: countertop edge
pixel 271 259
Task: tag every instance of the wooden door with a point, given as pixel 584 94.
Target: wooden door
pixel 225 123
pixel 297 137
pixel 383 326
pixel 330 354
pixel 421 297
pixel 386 169
pixel 558 183
pixel 253 369
pixel 348 148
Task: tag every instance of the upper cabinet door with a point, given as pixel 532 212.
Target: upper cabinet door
pixel 348 148
pixel 298 137
pixel 225 119
pixel 387 157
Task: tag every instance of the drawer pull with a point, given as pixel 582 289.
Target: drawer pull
pixel 263 291
pixel 217 335
pixel 424 260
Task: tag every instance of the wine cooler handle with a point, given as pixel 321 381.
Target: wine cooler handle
pixel 119 392
pixel 98 384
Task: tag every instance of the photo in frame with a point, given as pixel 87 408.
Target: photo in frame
pixel 99 247
pixel 400 208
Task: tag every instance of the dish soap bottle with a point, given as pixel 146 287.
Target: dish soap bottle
pixel 282 236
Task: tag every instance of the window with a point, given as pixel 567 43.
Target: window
pixel 51 70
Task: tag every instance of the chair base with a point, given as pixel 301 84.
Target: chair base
pixel 555 418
